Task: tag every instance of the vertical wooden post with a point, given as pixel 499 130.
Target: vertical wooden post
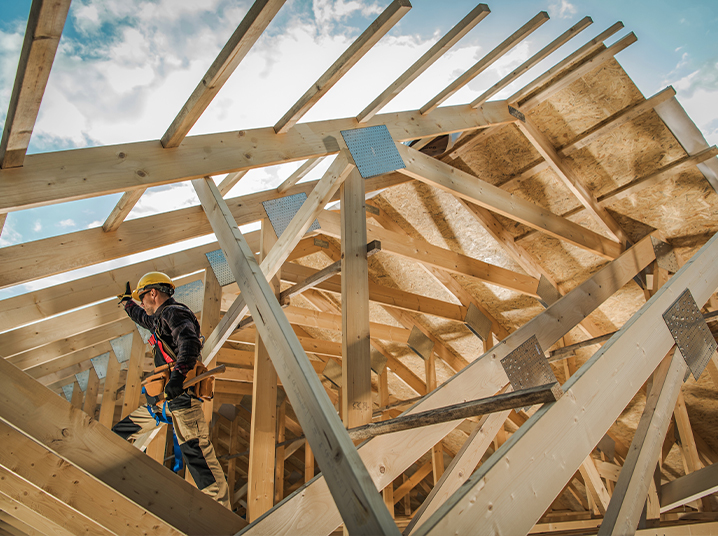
pixel 232 464
pixel 260 491
pixel 356 363
pixel 279 466
pixel 308 463
pixel 109 393
pixel 77 396
pixel 437 452
pixel 211 315
pixel 93 386
pixel 134 373
pixel 407 500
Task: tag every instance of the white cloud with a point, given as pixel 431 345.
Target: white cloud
pixel 66 223
pixel 37 227
pixel 562 9
pixel 93 224
pixel 9 234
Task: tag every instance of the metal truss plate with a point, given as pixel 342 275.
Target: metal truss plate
pixel 665 256
pixel 144 333
pixel 333 373
pixel 83 379
pixel 527 367
pixel 378 361
pixel 281 211
pixel 191 294
pixel 478 323
pixel 422 345
pixel 122 346
pixel 548 294
pixel 220 267
pixel 691 333
pixel 67 390
pixel 373 150
pixel 100 364
pixel 517 114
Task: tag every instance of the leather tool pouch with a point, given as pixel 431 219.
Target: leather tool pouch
pixel 155 385
pixel 205 388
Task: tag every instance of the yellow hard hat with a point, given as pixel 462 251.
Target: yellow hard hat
pixel 156 280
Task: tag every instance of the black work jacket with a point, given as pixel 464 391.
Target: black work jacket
pixel 176 326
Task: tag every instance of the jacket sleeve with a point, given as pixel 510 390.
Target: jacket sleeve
pixel 185 338
pixel 138 315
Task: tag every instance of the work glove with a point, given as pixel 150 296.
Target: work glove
pixel 127 296
pixel 174 386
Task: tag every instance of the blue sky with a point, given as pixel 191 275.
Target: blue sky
pixel 125 67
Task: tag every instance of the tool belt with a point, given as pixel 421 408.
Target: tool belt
pixel 155 385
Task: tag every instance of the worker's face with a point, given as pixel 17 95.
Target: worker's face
pixel 149 301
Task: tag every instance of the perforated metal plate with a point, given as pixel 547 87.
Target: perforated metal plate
pixel 100 364
pixel 373 150
pixel 281 211
pixel 191 294
pixel 527 367
pixel 83 378
pixel 420 343
pixel 144 333
pixel 67 390
pixel 665 256
pixel 478 323
pixel 691 333
pixel 517 114
pixel 220 267
pixel 122 346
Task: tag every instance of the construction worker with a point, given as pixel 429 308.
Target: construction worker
pixel 176 340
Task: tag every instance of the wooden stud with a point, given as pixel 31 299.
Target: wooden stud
pixel 158 445
pixel 356 366
pixel 340 462
pixel 602 389
pixel 383 23
pixel 426 169
pixel 629 496
pixel 532 61
pixel 688 442
pixel 122 209
pixel 485 62
pixel 483 377
pixel 410 483
pixel 463 27
pixel 109 394
pixel 133 387
pixel 42 36
pixel 308 462
pixel 93 386
pixel 247 33
pixel 263 428
pixel 281 452
pixel 77 395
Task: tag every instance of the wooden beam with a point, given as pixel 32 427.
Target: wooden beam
pixel 356 362
pixel 592 47
pixel 571 180
pixel 422 251
pixel 70 434
pixel 463 27
pixel 611 123
pixel 42 36
pixel 109 394
pixel 336 454
pixel 629 496
pixel 688 442
pixel 93 385
pixel 410 483
pixel 122 209
pixel 533 60
pixel 299 174
pixel 460 468
pixel 571 76
pixel 689 488
pixel 56 177
pixel 485 62
pixel 263 427
pixel 24 528
pixel 247 33
pixel 77 395
pixel 280 452
pixel 483 377
pixel 465 186
pixel 133 386
pixel 595 398
pixel 383 23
